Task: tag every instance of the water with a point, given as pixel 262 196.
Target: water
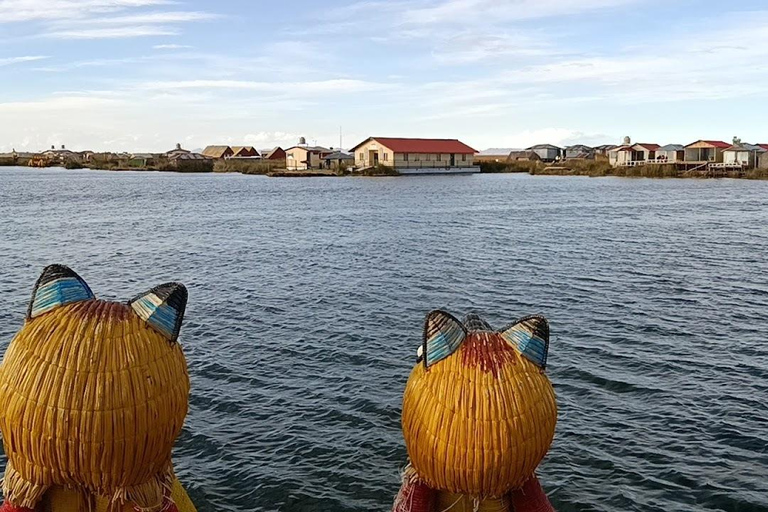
pixel 307 298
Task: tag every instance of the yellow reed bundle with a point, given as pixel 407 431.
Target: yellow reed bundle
pixel 479 421
pixel 451 502
pixel 91 397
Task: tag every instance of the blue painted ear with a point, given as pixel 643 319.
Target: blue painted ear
pixel 443 335
pixel 530 335
pixel 57 286
pixel 162 308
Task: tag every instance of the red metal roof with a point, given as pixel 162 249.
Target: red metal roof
pixel 764 146
pixel 422 145
pixel 716 143
pixel 649 147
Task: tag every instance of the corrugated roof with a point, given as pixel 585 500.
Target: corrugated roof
pixel 544 146
pixel 402 145
pixel 764 146
pixel 747 147
pixel 672 147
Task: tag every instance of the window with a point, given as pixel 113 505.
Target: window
pixel 463 158
pixel 439 157
pixel 429 157
pixel 362 156
pixel 386 156
pixel 405 157
pixel 290 156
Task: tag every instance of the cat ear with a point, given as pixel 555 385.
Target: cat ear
pixel 529 335
pixel 443 335
pixel 57 286
pixel 162 308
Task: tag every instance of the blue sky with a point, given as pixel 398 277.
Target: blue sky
pixel 144 74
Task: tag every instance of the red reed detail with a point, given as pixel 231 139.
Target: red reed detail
pixel 7 507
pixel 488 350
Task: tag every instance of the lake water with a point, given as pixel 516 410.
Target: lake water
pixel 307 298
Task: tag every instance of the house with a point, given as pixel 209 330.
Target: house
pixel 523 156
pixel 634 154
pixel 276 153
pixel 416 156
pixel 751 156
pixel 339 160
pixel 604 149
pixel 302 157
pixel 177 152
pixel 245 152
pixel 702 151
pixel 61 156
pixel 670 153
pixel 547 152
pixel 580 151
pixel 218 152
pixel 143 159
pixel 493 155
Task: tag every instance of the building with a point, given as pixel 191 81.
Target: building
pixel 634 154
pixel 61 156
pixel 493 155
pixel 338 160
pixel 547 152
pixel 604 149
pixel 750 156
pixel 218 152
pixel 302 157
pixel 671 153
pixel 523 156
pixel 580 151
pixel 245 152
pixel 416 156
pixel 177 152
pixel 276 153
pixel 706 151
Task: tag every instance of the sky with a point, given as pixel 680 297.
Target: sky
pixel 143 75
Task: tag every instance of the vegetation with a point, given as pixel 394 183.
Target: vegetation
pixel 73 164
pixel 504 167
pixel 262 167
pixel 379 170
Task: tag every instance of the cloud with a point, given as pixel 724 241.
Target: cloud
pixel 308 87
pixel 172 47
pixel 493 11
pixel 31 10
pixel 153 17
pixel 58 104
pixel 16 60
pixel 113 33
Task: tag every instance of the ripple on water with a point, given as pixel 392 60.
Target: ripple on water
pixel 307 299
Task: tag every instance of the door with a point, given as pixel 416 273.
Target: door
pixel 373 157
pixel 453 160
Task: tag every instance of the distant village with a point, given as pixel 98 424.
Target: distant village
pixel 409 156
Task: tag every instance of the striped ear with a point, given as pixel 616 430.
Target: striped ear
pixel 530 335
pixel 57 286
pixel 162 308
pixel 443 335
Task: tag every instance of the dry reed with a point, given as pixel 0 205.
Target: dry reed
pixel 478 422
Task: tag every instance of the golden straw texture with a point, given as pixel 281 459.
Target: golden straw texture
pixel 60 499
pixel 480 421
pixel 451 502
pixel 92 398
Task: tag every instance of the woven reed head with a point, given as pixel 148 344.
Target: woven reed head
pixel 479 412
pixel 92 393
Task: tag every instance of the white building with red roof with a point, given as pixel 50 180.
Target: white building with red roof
pixel 706 151
pixel 416 156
